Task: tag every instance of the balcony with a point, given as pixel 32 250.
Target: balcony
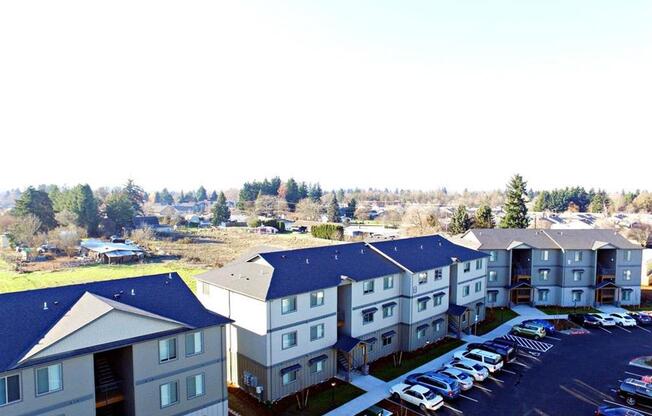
pixel 109 394
pixel 520 273
pixel 606 272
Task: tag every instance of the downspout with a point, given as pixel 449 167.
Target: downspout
pixel 269 341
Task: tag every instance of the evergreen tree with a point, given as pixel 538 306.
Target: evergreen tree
pixel 220 210
pixel 166 197
pixel 38 204
pixel 460 222
pixel 135 194
pixel 181 198
pixel 351 207
pixel 213 196
pixel 157 197
pixel 119 209
pixel 201 194
pixel 291 193
pixel 484 218
pixel 600 202
pixel 315 192
pixel 82 204
pixel 332 210
pixel 303 191
pixel 515 209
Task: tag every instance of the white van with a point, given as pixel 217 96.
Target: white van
pixel 493 362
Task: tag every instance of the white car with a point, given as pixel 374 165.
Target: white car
pixel 477 371
pixel 418 395
pixel 623 319
pixel 493 362
pixel 465 380
pixel 604 319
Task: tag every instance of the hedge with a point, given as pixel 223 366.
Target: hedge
pixel 328 231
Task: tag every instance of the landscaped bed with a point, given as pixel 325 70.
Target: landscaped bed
pixel 385 369
pixel 494 317
pixel 559 310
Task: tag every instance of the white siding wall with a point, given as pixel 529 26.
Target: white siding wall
pixel 470 278
pixel 380 296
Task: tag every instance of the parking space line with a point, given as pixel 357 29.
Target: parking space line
pixel 470 398
pixel 508 371
pixel 605 330
pixel 521 364
pixel 627 407
pixel 555 338
pixel 482 388
pixel 640 327
pixel 495 379
pixel 446 405
pixel 633 374
pixel 529 355
pixel 626 330
pixel 530 344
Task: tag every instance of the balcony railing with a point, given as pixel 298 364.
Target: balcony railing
pixel 606 271
pixel 521 272
pixel 109 393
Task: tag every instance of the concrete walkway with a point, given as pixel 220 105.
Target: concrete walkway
pixel 611 309
pixel 378 390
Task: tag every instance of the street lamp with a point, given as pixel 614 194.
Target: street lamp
pixel 333 384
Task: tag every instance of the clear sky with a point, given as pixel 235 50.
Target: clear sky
pixel 408 94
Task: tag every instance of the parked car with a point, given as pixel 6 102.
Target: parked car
pixel 417 395
pixel 477 371
pixel 584 319
pixel 635 391
pixel 548 326
pixel 505 351
pixel 607 410
pixel 623 319
pixel 465 381
pixel 507 342
pixel 493 362
pixel 536 332
pixel 375 411
pixel 641 318
pixel 604 319
pixel 443 385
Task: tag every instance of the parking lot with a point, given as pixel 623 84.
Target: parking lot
pixel 560 375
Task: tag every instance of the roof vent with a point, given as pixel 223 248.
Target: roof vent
pixel 283 256
pixel 170 276
pixel 421 246
pixel 336 257
pixel 395 248
pixel 56 302
pixel 116 296
pixel 45 306
pixel 133 292
pixel 440 244
pixel 307 261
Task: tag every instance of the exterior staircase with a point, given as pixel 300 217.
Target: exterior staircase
pixel 108 388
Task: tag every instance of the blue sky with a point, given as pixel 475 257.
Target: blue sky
pixel 417 94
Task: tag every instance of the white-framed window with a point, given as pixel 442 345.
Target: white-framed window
pixel 49 379
pixel 492 297
pixel 388 311
pixel 421 332
pixel 478 264
pixel 367 318
pixel 368 287
pixel 423 278
pixel 438 326
pixel 288 305
pixel 545 255
pixel 493 275
pixel 437 300
pixel 578 255
pixel 628 255
pixel 169 394
pixel 627 274
pixel 194 343
pixel 577 275
pixel 467 266
pixel 318 366
pixel 206 289
pixel 543 295
pixel 388 282
pixel 290 377
pixel 478 286
pixel 289 340
pixel 195 386
pixel 627 295
pixel 387 340
pixel 543 274
pixel 422 305
pixel 439 274
pixel 316 298
pixel 167 350
pixel 577 296
pixel 492 255
pixel 466 289
pixel 316 332
pixel 10 389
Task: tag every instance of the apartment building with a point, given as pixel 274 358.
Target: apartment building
pixel 137 346
pixel 559 267
pixel 303 316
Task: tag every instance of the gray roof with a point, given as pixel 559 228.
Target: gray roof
pixel 505 238
pixel 247 278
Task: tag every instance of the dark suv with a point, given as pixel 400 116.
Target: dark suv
pixel 635 391
pixel 583 319
pixel 507 352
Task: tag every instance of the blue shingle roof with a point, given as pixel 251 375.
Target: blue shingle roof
pixel 25 322
pixel 305 270
pixel 425 253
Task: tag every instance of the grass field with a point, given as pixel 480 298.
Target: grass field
pixel 494 318
pixel 559 310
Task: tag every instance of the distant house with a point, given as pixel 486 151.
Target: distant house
pixel 152 223
pixel 111 253
pixel 265 230
pixel 4 241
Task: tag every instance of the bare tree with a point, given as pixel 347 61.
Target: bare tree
pixel 266 205
pixel 25 228
pixel 420 220
pixel 641 234
pixel 66 238
pixel 308 209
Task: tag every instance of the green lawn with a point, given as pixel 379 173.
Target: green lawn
pixel 639 308
pixel 558 310
pixel 494 318
pixel 323 401
pixel 11 281
pixel 384 368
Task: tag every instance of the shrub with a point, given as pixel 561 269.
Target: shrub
pixel 328 231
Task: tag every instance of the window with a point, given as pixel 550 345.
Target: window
pixel 464 318
pixel 492 255
pixel 316 298
pixel 437 326
pixel 289 340
pixel 543 274
pixel 194 343
pixel 437 300
pixel 577 295
pixel 492 297
pixel 627 274
pixel 578 255
pixel 387 340
pixel 388 282
pixel 422 304
pixel 423 278
pixel 421 333
pixel 195 386
pixel 368 286
pixel 493 276
pixel 167 350
pixel 467 266
pixel 478 264
pixel 318 366
pixel 543 295
pixel 290 377
pixel 577 275
pixel 545 254
pixel 388 311
pixel 289 305
pixel 206 289
pixel 316 332
pixel 169 394
pixel 628 255
pixel 627 296
pixel 48 379
pixel 439 274
pixel 367 318
pixel 466 290
pixel 9 389
pixel 478 286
